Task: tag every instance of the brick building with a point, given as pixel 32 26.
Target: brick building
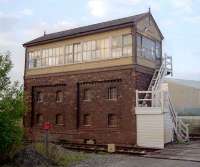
pixel 84 80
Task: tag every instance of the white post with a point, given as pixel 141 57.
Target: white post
pixel 162 101
pixel 137 98
pixel 153 98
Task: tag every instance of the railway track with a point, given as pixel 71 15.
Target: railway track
pixel 104 148
pixel 122 149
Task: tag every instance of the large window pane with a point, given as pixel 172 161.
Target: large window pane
pixel 102 51
pixel 127 45
pixel 34 59
pixel 158 50
pixel 61 55
pixel 139 45
pixel 77 53
pixel 147 47
pixel 56 52
pixel 89 49
pixel 116 46
pixel 51 57
pixel 69 54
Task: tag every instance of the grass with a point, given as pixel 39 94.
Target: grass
pixel 59 155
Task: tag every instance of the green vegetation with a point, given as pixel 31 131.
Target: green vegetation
pixel 59 155
pixel 11 108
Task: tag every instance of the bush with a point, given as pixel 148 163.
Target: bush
pixel 11 109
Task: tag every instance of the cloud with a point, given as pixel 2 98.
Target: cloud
pixel 98 8
pixel 130 2
pixel 115 8
pixel 37 29
pixel 26 12
pixel 193 19
pixel 7 22
pixel 183 5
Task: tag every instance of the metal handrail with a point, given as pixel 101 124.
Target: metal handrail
pixel 155 98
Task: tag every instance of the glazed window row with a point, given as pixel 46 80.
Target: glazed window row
pixel 112 94
pixel 112 120
pixel 106 48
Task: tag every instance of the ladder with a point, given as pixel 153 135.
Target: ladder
pixel 181 130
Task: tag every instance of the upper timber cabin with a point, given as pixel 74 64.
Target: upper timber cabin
pixel 86 81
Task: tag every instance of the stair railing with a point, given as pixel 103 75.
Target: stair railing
pixel 180 128
pixel 164 69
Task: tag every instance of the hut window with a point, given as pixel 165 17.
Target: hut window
pixel 117 46
pixel 39 97
pixel 148 48
pixel 39 119
pixel 89 49
pixel 69 54
pixel 59 119
pixel 77 53
pixel 112 120
pixel 102 48
pixel 87 95
pixel 59 96
pixel 112 93
pixel 127 45
pixel 86 119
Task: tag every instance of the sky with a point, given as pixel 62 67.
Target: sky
pixel 179 21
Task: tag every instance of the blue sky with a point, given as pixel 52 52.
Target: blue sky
pixel 179 21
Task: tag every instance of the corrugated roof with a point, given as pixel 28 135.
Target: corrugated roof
pixel 85 29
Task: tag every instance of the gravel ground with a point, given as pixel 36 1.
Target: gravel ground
pixel 116 160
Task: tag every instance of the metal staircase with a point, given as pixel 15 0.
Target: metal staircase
pixel 152 98
pixel 159 74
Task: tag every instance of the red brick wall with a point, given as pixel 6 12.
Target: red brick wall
pixel 73 107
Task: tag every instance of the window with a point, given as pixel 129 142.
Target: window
pixel 30 58
pixel 59 96
pixel 59 119
pixel 112 120
pixel 51 57
pixel 60 55
pixel 39 119
pixel 106 48
pixel 116 46
pixel 139 45
pixel 34 59
pixel 39 97
pixel 148 48
pixel 158 50
pixel 127 45
pixel 87 95
pixel 77 53
pixel 112 93
pixel 86 119
pixel 45 59
pixel 102 51
pixel 69 54
pixel 89 50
